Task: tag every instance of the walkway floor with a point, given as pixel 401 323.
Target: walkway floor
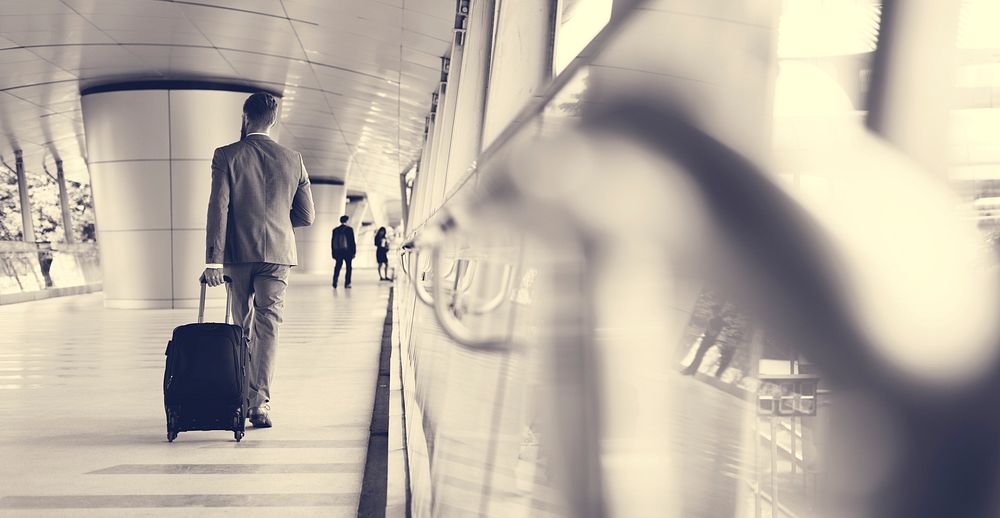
pixel 82 429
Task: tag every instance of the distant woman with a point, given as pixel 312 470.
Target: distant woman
pixel 382 254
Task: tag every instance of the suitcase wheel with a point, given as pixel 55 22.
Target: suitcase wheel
pixel 238 436
pixel 171 425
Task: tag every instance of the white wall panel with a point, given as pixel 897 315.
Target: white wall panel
pixel 447 108
pixel 313 242
pixel 188 261
pixel 520 67
pixel 471 99
pixel 132 195
pixel 191 181
pixel 201 121
pixel 142 134
pixel 136 268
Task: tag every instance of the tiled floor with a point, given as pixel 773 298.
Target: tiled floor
pixel 82 429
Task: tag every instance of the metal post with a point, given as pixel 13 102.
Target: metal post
pixel 774 466
pixel 794 445
pixel 406 202
pixel 64 204
pixel 756 467
pixel 793 438
pixel 27 224
pixel 403 200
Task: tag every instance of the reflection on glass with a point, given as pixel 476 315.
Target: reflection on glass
pixel 975 117
pixel 579 22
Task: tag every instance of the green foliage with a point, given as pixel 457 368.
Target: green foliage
pixel 46 212
pixel 81 204
pixel 10 212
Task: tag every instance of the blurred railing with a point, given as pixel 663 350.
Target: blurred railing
pixel 31 270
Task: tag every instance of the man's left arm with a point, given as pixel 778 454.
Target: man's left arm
pixel 354 245
pixel 218 219
pixel 303 212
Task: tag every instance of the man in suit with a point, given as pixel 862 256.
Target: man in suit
pixel 260 190
pixel 343 249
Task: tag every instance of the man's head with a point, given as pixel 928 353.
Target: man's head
pixel 260 111
pixel 343 219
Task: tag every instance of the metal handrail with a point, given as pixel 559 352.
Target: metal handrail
pixel 418 287
pixel 450 323
pixel 403 259
pixel 506 285
pixel 466 278
pixel 451 270
pixel 538 102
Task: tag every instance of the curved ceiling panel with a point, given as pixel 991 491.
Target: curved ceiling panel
pixel 356 75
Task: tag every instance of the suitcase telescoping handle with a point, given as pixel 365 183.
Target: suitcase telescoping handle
pixel 229 298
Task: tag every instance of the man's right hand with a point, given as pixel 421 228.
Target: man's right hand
pixel 213 276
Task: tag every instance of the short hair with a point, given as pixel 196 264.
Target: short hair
pixel 343 219
pixel 261 109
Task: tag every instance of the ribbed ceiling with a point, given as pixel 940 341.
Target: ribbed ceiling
pixel 356 75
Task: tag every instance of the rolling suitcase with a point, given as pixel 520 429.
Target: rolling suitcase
pixel 205 383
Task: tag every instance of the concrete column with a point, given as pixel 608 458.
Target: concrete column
pixel 150 153
pixel 314 241
pixel 27 223
pixel 376 205
pixel 64 204
pixel 356 211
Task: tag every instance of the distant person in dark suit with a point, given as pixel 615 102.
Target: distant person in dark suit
pixel 260 190
pixel 343 249
pixel 382 254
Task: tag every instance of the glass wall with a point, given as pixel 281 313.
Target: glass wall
pixel 975 116
pixel 51 261
pixel 579 21
pixel 43 191
pixel 689 280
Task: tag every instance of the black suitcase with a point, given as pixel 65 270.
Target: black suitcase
pixel 205 383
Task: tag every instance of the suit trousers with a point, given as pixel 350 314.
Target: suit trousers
pixel 263 285
pixel 336 270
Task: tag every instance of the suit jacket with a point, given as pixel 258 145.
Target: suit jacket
pixel 260 190
pixel 352 248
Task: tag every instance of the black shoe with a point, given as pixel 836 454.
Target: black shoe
pixel 259 416
pixel 347 285
pixel 334 285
